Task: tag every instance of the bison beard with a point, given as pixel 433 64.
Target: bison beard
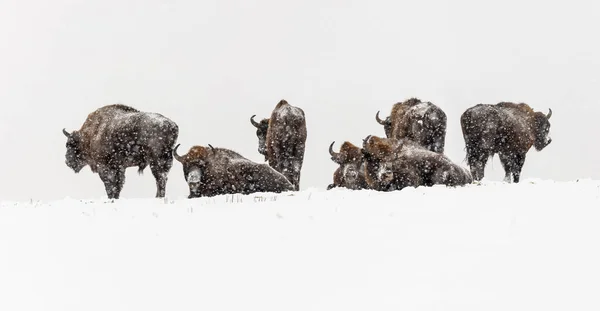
pixel 116 137
pixel 282 140
pixel 507 129
pixel 393 164
pixel 213 171
pixel 421 122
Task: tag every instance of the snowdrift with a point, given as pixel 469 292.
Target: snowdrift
pixel 494 246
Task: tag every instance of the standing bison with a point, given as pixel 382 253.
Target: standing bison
pixel 282 139
pixel 421 122
pixel 212 171
pixel 350 173
pixel 393 164
pixel 116 137
pixel 506 128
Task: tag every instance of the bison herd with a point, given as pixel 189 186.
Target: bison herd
pixel 116 137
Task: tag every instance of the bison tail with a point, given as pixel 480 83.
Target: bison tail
pixel 467 149
pixel 471 154
pixel 141 168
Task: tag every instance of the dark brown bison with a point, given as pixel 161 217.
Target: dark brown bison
pixel 350 173
pixel 212 171
pixel 421 122
pixel 282 140
pixel 507 129
pixel 116 137
pixel 393 164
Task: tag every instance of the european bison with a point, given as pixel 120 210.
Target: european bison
pixel 282 139
pixel 350 173
pixel 393 164
pixel 212 171
pixel 421 122
pixel 116 137
pixel 505 128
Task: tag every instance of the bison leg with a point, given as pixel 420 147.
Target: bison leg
pixel 296 168
pixel 512 166
pixel 477 161
pixel 113 179
pixel 518 166
pixel 508 165
pixel 285 166
pixel 160 170
pixel 297 158
pixel 289 172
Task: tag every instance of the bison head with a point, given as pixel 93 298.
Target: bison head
pixel 542 130
pixel 194 164
pixel 261 133
pixel 74 157
pixel 350 159
pixel 380 154
pixel 387 124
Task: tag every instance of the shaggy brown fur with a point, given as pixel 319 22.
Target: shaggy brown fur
pixel 213 171
pixel 380 155
pixel 393 164
pixel 382 148
pixel 282 140
pixel 115 137
pixel 421 122
pixel 506 128
pixel 350 173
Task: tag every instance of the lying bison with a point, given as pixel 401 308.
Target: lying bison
pixel 212 171
pixel 116 137
pixel 421 122
pixel 507 129
pixel 282 140
pixel 393 164
pixel 350 173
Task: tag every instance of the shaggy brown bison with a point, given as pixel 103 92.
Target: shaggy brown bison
pixel 212 171
pixel 116 137
pixel 507 129
pixel 421 122
pixel 350 173
pixel 393 164
pixel 282 139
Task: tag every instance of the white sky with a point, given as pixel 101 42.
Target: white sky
pixel 210 65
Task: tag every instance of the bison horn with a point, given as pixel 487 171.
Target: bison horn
pixel 211 147
pixel 334 155
pixel 382 122
pixel 66 133
pixel 549 114
pixel 177 156
pixel 366 139
pixel 254 122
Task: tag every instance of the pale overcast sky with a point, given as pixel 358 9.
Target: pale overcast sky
pixel 209 65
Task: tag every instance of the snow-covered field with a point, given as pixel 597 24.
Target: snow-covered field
pixel 496 246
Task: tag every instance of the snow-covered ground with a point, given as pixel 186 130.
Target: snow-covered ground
pixel 496 246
